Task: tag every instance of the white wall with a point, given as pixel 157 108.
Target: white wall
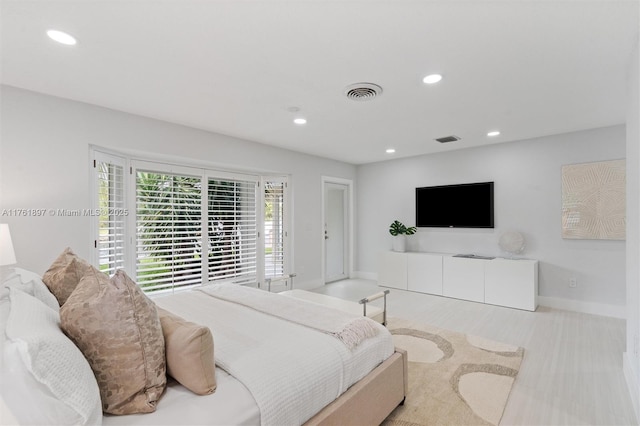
pixel 632 355
pixel 527 176
pixel 44 164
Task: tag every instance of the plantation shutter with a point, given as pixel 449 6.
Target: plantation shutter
pixel 168 230
pixel 274 227
pixel 175 227
pixel 109 210
pixel 232 228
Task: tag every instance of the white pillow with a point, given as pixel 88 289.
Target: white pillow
pixel 46 379
pixel 32 283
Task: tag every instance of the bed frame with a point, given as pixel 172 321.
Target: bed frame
pixel 370 400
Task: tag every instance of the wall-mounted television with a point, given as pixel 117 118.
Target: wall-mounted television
pixel 468 205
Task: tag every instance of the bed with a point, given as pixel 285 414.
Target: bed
pixel 269 369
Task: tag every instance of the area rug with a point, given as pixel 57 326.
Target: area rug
pixel 454 379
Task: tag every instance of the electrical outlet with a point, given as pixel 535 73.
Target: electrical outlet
pixel 573 282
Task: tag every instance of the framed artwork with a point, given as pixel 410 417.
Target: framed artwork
pixel 594 200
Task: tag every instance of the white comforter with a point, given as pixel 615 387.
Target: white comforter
pixel 292 371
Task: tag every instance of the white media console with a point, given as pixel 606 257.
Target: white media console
pixel 497 281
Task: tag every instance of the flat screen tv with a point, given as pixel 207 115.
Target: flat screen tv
pixel 468 205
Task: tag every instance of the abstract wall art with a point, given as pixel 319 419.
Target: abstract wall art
pixel 594 200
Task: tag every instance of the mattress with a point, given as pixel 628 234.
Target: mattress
pixel 296 370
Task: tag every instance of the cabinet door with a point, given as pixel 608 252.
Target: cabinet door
pixel 424 273
pixel 512 283
pixel 392 270
pixel 463 278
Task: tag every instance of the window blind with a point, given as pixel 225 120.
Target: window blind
pixel 110 212
pixel 274 227
pixel 232 230
pixel 168 230
pixel 175 227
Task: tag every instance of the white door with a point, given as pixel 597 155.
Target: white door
pixel 336 231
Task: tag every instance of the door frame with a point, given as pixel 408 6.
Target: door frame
pixel 350 219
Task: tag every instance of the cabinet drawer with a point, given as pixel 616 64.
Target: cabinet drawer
pixel 512 283
pixel 392 270
pixel 463 278
pixel 424 273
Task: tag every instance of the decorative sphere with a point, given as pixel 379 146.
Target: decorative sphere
pixel 512 242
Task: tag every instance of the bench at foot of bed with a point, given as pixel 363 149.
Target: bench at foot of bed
pixel 373 312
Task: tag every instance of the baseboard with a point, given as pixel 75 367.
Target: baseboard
pixel 308 285
pixel 365 275
pixel 632 382
pixel 615 311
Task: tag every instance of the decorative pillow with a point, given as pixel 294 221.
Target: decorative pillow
pixel 116 327
pixel 189 350
pixel 46 380
pixel 31 283
pixel 64 274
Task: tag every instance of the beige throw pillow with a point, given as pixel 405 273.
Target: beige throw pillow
pixel 189 351
pixel 64 274
pixel 116 326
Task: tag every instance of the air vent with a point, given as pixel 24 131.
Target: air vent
pixel 446 139
pixel 362 91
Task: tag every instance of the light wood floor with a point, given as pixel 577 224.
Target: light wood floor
pixel 572 369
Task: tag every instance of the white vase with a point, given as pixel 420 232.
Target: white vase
pixel 400 243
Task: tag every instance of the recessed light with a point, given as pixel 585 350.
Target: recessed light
pixel 493 133
pixel 61 37
pixel 390 151
pixel 433 78
pixel 300 121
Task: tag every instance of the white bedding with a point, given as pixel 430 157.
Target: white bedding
pixel 349 329
pixel 286 371
pixel 231 404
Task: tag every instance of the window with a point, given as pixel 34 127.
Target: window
pixel 168 230
pixel 190 225
pixel 274 227
pixel 232 230
pixel 110 212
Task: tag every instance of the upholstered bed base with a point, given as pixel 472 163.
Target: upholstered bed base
pixel 370 400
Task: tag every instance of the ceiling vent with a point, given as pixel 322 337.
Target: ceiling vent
pixel 446 139
pixel 362 91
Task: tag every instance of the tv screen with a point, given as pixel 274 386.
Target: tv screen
pixel 468 205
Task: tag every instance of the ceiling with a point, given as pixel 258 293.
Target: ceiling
pixel 525 68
